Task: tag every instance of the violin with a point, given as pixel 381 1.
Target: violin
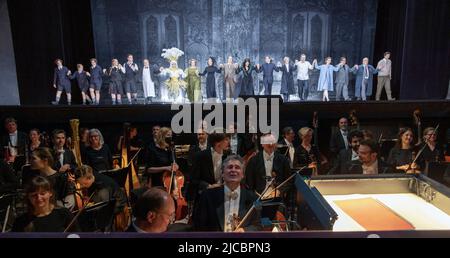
pixel 173 182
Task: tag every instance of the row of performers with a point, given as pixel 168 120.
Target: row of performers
pixel 124 78
pixel 218 178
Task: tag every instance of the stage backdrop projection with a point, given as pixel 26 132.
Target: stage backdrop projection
pixel 237 28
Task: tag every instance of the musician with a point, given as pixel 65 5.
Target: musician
pixel 134 142
pixel 160 159
pixel 306 154
pixel 154 212
pixel 97 154
pixel 13 144
pixel 432 152
pixel 65 160
pixel 8 179
pixel 155 132
pixel 345 157
pixel 267 164
pixel 84 140
pixel 206 171
pixel 43 214
pixel 42 163
pixel 338 140
pixel 202 144
pixel 369 162
pixel 102 188
pixel 402 155
pixel 217 207
pixel 288 140
pixel 34 136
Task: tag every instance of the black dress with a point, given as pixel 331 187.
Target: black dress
pixel 399 157
pixel 56 221
pixel 158 158
pixel 304 158
pixel 211 80
pixel 246 82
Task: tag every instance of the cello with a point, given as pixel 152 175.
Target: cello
pixel 173 182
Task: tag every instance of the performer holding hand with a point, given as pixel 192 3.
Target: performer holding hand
pixel 61 82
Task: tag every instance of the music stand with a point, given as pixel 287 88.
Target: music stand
pixel 119 175
pixel 6 201
pixel 98 217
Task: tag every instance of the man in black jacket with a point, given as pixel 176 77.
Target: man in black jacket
pixel 222 207
pixel 206 166
pixel 346 156
pixel 15 142
pixel 64 158
pixel 369 163
pixel 338 140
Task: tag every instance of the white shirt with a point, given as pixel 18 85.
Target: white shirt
pixel 291 152
pixel 231 206
pixel 355 155
pixel 268 164
pixel 344 136
pixel 234 143
pixel 287 67
pixel 217 163
pixel 61 157
pixel 371 169
pixel 303 70
pixel 146 75
pixel 13 139
pixel 203 146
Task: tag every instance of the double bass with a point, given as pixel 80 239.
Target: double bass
pixel 323 159
pixel 173 181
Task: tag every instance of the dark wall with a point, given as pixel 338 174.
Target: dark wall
pixel 44 30
pixel 417 32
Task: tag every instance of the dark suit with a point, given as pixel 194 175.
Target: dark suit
pixel 68 158
pixel 337 142
pixel 255 172
pixel 267 70
pixel 202 172
pixel 8 179
pixel 287 80
pixel 356 168
pixel 209 211
pixel 342 162
pixel 22 141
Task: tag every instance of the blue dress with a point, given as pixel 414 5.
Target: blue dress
pixel 326 77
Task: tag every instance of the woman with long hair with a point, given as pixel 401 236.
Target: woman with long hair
pixel 402 155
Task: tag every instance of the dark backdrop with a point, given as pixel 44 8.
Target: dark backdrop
pixel 415 31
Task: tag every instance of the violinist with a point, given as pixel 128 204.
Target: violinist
pixel 402 155
pixel 43 214
pixel 267 164
pixel 102 191
pixel 432 152
pixel 13 144
pixel 65 160
pixel 154 211
pixel 345 157
pixel 159 159
pixel 42 163
pixel 222 207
